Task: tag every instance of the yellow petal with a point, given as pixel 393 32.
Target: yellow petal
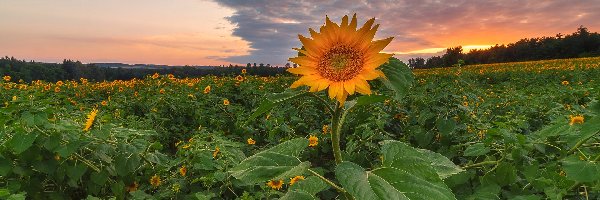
pixel 333 90
pixel 369 74
pixel 302 70
pixel 365 40
pixel 377 46
pixel 323 84
pixel 352 25
pixel 349 86
pixel 296 84
pixel 342 99
pixel 344 21
pixel 310 46
pixel 374 61
pixel 303 61
pixel 363 87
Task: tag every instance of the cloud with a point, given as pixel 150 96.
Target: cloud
pixel 271 27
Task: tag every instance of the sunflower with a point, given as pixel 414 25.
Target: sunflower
pixel 207 89
pixel 313 141
pixel 216 152
pixel 296 179
pixel 133 187
pixel 251 141
pixel 239 78
pixel 183 170
pixel 225 102
pixel 340 58
pixel 276 185
pixel 576 119
pixel 90 119
pixel 155 180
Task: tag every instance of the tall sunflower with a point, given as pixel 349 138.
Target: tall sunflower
pixel 341 58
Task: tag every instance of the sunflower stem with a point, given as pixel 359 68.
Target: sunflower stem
pixel 335 133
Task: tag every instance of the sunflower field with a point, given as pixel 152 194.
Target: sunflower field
pixel 354 124
pixel 514 131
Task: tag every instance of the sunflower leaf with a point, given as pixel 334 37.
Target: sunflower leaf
pixel 406 173
pixel 398 77
pixel 279 162
pixel 306 189
pixel 273 100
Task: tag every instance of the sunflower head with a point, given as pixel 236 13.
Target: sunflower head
pixel 341 58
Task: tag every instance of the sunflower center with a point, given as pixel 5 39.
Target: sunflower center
pixel 340 63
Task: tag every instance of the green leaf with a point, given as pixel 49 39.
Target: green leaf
pixel 580 170
pixel 485 192
pixel 273 100
pixel 22 141
pixel 75 172
pixel 395 152
pixel 68 149
pixel 306 189
pixel 476 150
pixel 407 173
pixel 279 162
pixel 370 99
pixel 399 77
pixel 418 181
pixel 445 126
pixel 5 166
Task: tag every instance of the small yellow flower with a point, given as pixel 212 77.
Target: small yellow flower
pixel 576 119
pixel 155 76
pixel 14 98
pixel 183 170
pixel 239 78
pixel 565 83
pixel 6 78
pixel 90 119
pixel 243 71
pixel 225 102
pixel 56 157
pixel 187 146
pixel 296 179
pixel 155 181
pixel 207 89
pixel 251 141
pixel 59 83
pixel 276 185
pixel 325 129
pixel 162 91
pixel 465 104
pixel 133 187
pixel 170 76
pixel 104 103
pixel 216 152
pixel 177 144
pixel 313 141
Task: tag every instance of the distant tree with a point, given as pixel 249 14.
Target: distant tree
pixel 416 63
pixel 248 65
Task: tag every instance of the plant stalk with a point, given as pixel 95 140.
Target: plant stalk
pixel 335 133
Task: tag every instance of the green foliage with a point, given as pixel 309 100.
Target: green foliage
pixel 279 162
pixel 506 125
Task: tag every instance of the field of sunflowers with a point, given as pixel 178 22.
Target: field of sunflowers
pixel 526 130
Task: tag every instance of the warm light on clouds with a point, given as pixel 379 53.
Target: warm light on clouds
pixel 139 31
pixel 205 32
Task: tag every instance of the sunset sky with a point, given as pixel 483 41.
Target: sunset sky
pixel 202 32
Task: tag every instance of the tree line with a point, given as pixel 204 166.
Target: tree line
pixel 581 43
pixel 72 70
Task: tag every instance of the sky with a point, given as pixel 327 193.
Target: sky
pixel 205 32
